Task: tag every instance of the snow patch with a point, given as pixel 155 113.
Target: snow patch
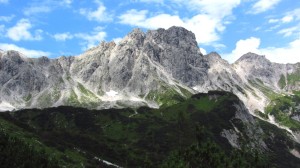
pixel 5 106
pixel 115 96
pixel 112 93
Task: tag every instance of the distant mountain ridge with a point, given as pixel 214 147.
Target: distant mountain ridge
pixel 156 68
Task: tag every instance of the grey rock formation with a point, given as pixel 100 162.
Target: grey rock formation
pixel 140 70
pixel 145 69
pixel 257 67
pixel 157 62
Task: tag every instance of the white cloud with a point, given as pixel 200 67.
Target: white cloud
pixel 91 40
pixel 62 36
pixel 208 22
pixel 152 1
pixel 4 1
pixel 36 10
pixel 295 14
pixel 285 54
pixel 99 15
pixel 263 5
pixel 204 34
pixel 215 8
pixel 45 6
pixel 21 31
pixel 273 20
pixel 139 18
pixel 203 51
pixel 287 19
pixel 6 18
pixel 242 47
pixel 67 2
pixel 133 17
pixel 27 52
pixel 289 31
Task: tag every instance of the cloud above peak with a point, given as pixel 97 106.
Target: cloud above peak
pixel 21 31
pixel 99 15
pixel 263 5
pixel 214 8
pixel 204 34
pixel 207 22
pixel 26 52
pixel 284 54
pixel 4 1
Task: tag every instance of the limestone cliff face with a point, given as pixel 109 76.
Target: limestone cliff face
pixel 141 69
pixel 279 77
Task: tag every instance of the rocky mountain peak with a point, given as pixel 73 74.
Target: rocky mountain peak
pixel 14 56
pixel 139 68
pixel 252 57
pixel 136 32
pixel 214 56
pixel 135 38
pixel 175 36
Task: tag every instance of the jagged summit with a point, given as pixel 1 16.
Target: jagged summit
pixel 176 36
pixel 250 57
pixel 156 68
pixel 137 71
pixel 141 69
pixel 214 55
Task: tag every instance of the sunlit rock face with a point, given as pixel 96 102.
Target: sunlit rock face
pixel 143 69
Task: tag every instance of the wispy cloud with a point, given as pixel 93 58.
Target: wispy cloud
pixel 211 13
pixel 21 31
pixel 151 1
pixel 6 18
pixel 88 40
pixel 63 36
pixel 67 2
pixel 291 19
pixel 204 34
pixel 4 1
pixel 91 39
pixel 242 47
pixel 99 15
pixel 263 5
pixel 290 31
pixel 27 52
pixel 285 54
pixel 37 9
pixel 215 8
pixel 45 6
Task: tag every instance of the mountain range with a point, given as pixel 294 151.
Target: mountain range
pixel 157 69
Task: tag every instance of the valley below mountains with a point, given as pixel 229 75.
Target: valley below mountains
pixel 151 100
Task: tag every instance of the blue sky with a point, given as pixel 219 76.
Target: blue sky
pixel 230 27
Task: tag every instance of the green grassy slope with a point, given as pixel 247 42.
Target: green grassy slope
pixel 179 135
pixel 283 108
